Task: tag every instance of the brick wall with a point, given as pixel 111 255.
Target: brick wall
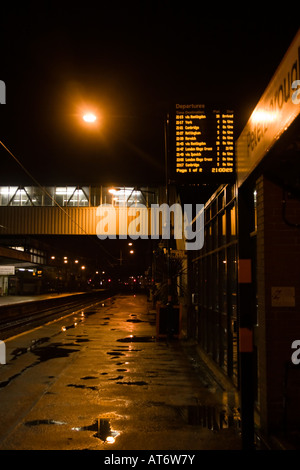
pixel 278 266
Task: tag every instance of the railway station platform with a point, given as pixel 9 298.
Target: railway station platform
pixel 99 379
pixel 17 299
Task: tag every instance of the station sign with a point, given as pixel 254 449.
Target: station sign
pixel 278 107
pixel 7 270
pixel 202 144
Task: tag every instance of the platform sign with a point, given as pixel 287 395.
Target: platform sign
pixel 202 144
pixel 7 270
pixel 277 109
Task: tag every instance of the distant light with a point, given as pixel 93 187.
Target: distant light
pixel 82 267
pixel 89 117
pixel 131 252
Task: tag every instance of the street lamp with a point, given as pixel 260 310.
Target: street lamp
pixel 89 117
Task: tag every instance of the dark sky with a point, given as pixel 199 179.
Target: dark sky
pixel 131 61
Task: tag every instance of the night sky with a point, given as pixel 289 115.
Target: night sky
pixel 131 62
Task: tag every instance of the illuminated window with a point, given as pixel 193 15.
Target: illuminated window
pixel 126 196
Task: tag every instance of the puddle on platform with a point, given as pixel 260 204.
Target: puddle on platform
pixel 82 386
pixel 45 353
pixel 91 312
pixel 34 344
pixel 139 383
pixel 100 426
pixel 54 351
pixel 4 383
pixel 210 417
pixel 137 339
pixel 115 353
pixel 134 320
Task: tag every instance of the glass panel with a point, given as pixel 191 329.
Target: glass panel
pixel 6 194
pixel 20 198
pixel 232 312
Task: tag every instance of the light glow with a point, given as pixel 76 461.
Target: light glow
pixel 89 117
pixel 262 115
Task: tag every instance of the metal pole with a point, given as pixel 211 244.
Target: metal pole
pixel 169 279
pixel 246 319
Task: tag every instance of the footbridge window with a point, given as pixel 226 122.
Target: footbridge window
pixel 75 196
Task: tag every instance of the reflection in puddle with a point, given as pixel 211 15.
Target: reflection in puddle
pixel 38 422
pixel 103 430
pixel 65 328
pixel 210 417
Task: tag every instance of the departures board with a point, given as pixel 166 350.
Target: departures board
pixel 202 144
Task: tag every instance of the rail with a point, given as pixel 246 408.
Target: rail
pixel 17 318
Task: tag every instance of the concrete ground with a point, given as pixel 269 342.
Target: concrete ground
pixel 99 380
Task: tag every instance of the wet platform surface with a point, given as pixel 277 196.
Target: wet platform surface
pixel 99 380
pixel 20 299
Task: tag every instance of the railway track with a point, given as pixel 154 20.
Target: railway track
pixel 20 317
